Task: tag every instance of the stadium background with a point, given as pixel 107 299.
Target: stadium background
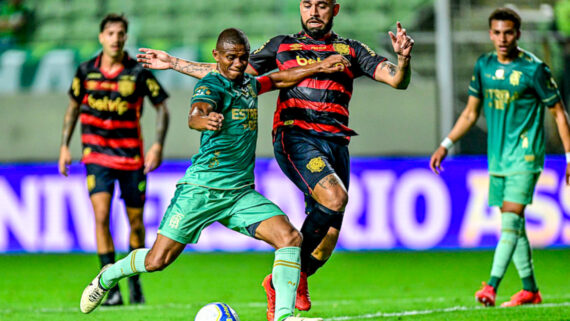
pixel 396 203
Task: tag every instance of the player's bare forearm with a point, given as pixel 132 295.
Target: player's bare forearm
pixel 397 76
pixel 563 124
pixel 290 77
pixel 69 122
pixel 202 117
pixel 191 68
pixel 466 120
pixel 162 121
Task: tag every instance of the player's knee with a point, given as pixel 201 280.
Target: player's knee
pixel 102 222
pixel 137 227
pixel 336 201
pixel 290 238
pixel 153 264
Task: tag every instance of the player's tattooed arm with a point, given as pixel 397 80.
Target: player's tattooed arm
pixel 190 68
pixel 329 182
pixel 397 76
pixel 69 122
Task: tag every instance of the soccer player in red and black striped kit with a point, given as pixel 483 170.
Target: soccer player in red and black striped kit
pixel 107 97
pixel 310 126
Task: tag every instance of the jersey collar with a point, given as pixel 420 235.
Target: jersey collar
pixel 328 37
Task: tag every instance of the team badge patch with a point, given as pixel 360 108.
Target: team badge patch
pixel 153 87
pixel 515 78
pixel 75 86
pixel 316 165
pixel 175 220
pixel 342 48
pixel 90 182
pixel 126 87
pixel 202 91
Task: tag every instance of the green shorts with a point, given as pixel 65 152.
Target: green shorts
pixel 193 208
pixel 518 188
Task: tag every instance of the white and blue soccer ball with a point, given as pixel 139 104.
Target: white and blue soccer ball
pixel 216 312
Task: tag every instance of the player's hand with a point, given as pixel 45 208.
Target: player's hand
pixel 153 158
pixel 334 63
pixel 401 42
pixel 214 121
pixel 64 160
pixel 154 59
pixel 436 159
pixel 568 174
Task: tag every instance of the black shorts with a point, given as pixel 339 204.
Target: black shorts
pixel 131 183
pixel 306 159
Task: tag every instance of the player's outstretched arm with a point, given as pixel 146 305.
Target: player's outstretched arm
pixel 462 125
pixel 562 123
pixel 202 117
pixel 161 60
pixel 69 121
pixel 153 157
pixel 290 77
pixel 397 76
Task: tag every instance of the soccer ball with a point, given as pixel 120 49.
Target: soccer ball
pixel 216 312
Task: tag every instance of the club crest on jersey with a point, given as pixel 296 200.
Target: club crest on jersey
pixel 90 182
pixel 175 220
pixel 202 91
pixel 500 74
pixel 342 48
pixel 125 87
pixel 515 78
pixel 316 165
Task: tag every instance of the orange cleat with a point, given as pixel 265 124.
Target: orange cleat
pixel 486 295
pixel 523 297
pixel 303 300
pixel 270 292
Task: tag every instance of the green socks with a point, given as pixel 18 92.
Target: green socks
pixel 511 225
pixel 286 271
pixel 523 261
pixel 128 266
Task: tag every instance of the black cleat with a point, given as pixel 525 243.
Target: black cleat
pixel 114 297
pixel 136 296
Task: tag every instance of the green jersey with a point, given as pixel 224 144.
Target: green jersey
pixel 513 97
pixel 227 157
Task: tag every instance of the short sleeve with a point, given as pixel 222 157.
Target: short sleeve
pixel 263 59
pixel 366 58
pixel 545 86
pixel 475 88
pixel 77 90
pixel 152 88
pixel 264 84
pixel 208 92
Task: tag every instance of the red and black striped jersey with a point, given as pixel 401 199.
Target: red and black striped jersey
pixel 319 103
pixel 111 107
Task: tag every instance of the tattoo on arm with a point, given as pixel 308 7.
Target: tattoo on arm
pixel 194 69
pixel 392 69
pixel 69 121
pixel 329 182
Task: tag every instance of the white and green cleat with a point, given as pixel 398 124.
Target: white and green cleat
pixel 93 293
pixel 292 318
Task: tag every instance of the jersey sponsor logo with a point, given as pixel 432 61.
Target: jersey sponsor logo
pixel 249 115
pixel 515 77
pixel 316 165
pixel 90 182
pixel 126 87
pixel 500 98
pixel 296 46
pixel 529 158
pixel 174 221
pixel 100 85
pixel 319 48
pixel 202 91
pixel 306 61
pixel 342 48
pixel 153 87
pixel 499 74
pixel 94 75
pixel 76 86
pixel 214 160
pixel 524 137
pixel 105 104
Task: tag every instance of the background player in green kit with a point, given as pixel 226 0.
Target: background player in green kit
pixel 512 86
pixel 218 186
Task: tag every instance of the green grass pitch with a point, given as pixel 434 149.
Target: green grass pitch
pixel 352 286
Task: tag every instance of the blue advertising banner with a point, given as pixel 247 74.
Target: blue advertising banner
pixel 393 204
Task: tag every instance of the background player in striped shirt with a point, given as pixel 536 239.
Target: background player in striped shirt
pixel 513 87
pixel 107 96
pixel 310 126
pixel 219 185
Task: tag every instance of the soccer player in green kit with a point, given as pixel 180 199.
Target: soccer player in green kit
pixel 218 186
pixel 513 87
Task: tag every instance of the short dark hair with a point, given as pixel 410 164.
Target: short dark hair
pixel 506 14
pixel 113 17
pixel 232 36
